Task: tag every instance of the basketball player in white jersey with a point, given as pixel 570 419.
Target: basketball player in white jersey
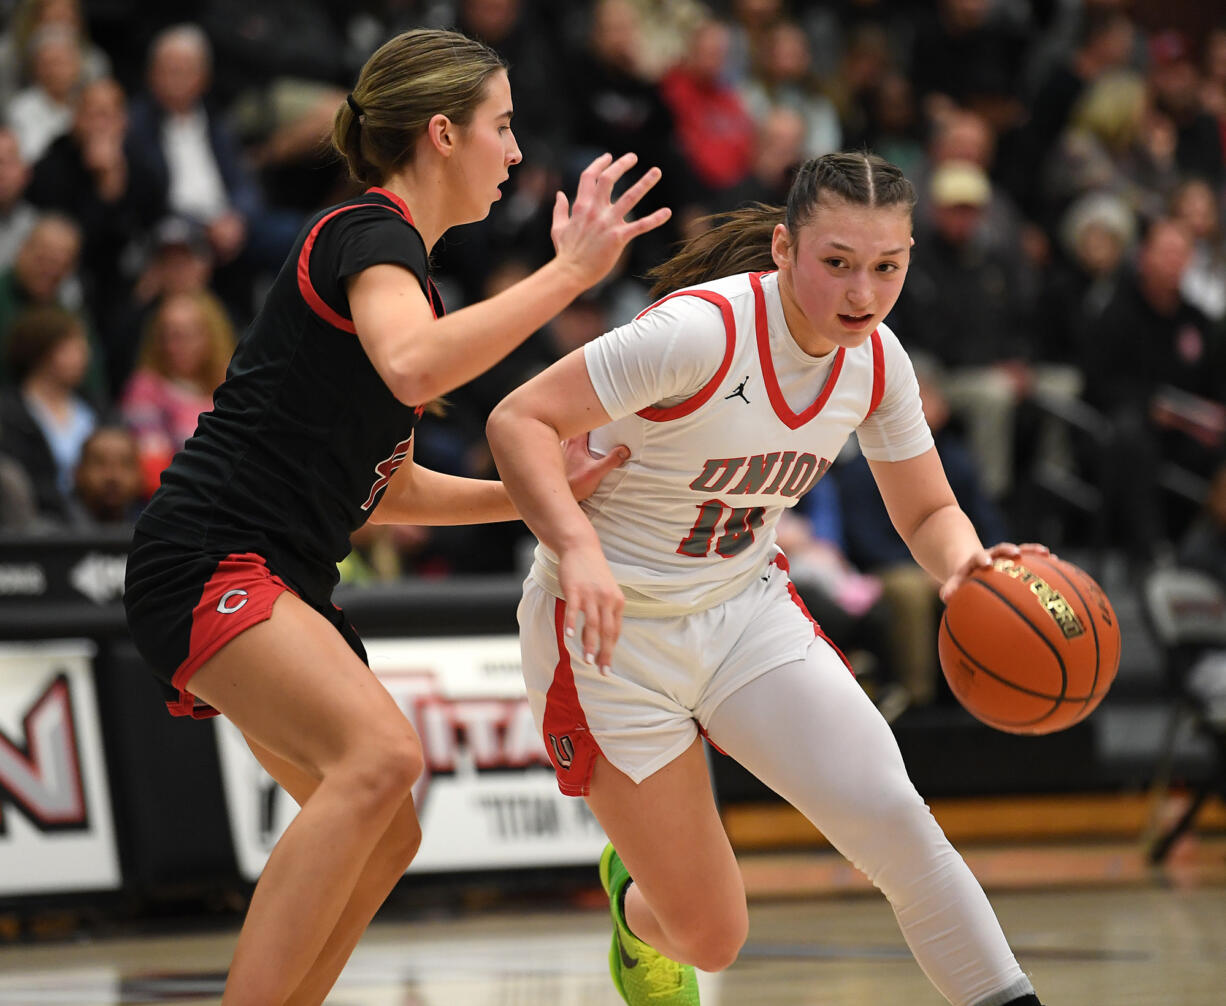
pixel 734 393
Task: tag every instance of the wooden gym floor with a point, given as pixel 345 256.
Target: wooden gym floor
pixel 1089 920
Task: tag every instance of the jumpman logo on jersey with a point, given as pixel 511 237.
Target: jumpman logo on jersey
pixel 740 391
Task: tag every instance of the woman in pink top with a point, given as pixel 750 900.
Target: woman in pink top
pixel 183 359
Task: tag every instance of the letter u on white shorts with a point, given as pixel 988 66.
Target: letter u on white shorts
pixel 667 675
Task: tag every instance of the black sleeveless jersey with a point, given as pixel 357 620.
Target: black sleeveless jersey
pixel 303 436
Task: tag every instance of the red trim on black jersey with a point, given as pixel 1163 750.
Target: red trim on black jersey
pixel 307 288
pixel 878 373
pixel 703 395
pixel 401 205
pixel 792 420
pixel 314 301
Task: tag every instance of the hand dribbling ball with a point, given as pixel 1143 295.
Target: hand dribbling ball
pixel 1029 645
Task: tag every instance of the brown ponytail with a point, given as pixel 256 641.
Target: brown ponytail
pixel 737 241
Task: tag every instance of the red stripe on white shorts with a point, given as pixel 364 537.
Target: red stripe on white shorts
pixel 571 746
pixel 781 561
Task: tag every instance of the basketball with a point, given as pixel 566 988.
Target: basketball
pixel 1029 645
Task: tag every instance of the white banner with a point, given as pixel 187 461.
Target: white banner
pixel 488 796
pixel 56 830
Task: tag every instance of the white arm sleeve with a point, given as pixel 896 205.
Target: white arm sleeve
pixel 662 358
pixel 897 429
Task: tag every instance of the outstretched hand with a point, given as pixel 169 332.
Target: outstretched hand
pixel 590 235
pixel 585 470
pixel 985 557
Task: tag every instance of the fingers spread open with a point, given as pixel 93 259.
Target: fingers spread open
pixel 590 176
pixel 630 198
pixel 647 223
pixel 612 174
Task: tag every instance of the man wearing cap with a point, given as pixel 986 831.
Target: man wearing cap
pixel 966 308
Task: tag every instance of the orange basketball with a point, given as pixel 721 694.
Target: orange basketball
pixel 1029 645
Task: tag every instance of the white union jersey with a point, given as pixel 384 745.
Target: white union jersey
pixel 728 421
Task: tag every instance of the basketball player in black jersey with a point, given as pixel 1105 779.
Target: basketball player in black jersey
pixel 233 563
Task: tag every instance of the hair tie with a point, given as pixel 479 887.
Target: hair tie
pixel 357 109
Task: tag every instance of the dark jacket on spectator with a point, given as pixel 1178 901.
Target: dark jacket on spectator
pixel 61 181
pixel 23 441
pixel 145 120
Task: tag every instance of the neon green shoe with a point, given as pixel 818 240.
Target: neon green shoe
pixel 643 976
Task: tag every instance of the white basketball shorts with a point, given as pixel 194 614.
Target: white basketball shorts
pixel 667 677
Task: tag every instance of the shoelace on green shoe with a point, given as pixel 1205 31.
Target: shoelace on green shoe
pixel 663 976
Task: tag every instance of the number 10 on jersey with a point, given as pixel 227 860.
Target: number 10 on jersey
pixel 738 524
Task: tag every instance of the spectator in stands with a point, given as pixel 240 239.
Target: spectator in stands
pixel 1196 206
pixel 1204 544
pixel 1116 142
pixel 865 61
pixel 778 152
pixel 714 129
pixel 873 545
pixel 1097 234
pixel 749 23
pixel 1105 42
pixel 961 135
pixel 964 306
pixel 1213 82
pixel 93 175
pixel 179 260
pixel 17 216
pixel 29 16
pixel 969 53
pixel 1156 367
pixel 282 67
pixel 280 59
pixel 891 125
pixel 518 32
pixel 43 418
pixel 107 489
pixel 18 507
pixel 202 166
pixel 784 77
pixel 1174 81
pixel 42 110
pixel 615 105
pixel 43 274
pixel 666 31
pixel 183 357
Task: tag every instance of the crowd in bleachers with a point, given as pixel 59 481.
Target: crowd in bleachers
pixel 1066 303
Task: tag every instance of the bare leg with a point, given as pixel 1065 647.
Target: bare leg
pixel 687 899
pixel 294 687
pixel 383 869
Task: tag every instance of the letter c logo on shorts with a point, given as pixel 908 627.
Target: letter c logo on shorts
pixel 229 609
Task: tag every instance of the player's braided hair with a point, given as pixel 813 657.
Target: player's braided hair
pixel 740 240
pixel 408 80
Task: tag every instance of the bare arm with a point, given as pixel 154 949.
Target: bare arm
pixel 924 511
pixel 523 432
pixel 417 495
pixel 420 358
